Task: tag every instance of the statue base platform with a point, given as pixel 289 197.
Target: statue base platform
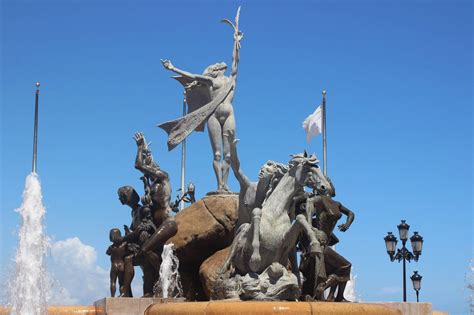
pixel 61 310
pixel 129 306
pixel 155 306
pixel 283 307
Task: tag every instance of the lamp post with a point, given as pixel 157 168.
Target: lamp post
pixel 416 279
pixel 403 254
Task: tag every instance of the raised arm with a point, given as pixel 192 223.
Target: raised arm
pixel 202 79
pixel 236 54
pixel 238 35
pixel 146 168
pixel 350 217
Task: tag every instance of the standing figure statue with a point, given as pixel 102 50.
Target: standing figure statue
pixel 323 213
pixel 209 97
pixel 117 252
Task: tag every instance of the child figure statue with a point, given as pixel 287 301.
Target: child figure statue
pixel 117 252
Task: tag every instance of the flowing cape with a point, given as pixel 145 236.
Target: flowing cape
pixel 182 127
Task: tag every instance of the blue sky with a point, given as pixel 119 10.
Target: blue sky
pixel 399 81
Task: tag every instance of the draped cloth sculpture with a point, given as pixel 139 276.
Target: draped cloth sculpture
pixel 209 98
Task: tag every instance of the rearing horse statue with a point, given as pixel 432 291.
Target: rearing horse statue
pixel 270 236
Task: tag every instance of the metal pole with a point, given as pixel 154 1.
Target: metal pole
pixel 404 274
pixel 324 135
pixel 35 135
pixel 183 157
pixel 417 296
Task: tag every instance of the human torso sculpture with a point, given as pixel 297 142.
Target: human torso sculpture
pixel 209 97
pixel 252 194
pixel 324 212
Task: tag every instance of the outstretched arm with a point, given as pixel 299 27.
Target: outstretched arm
pixel 202 79
pixel 350 218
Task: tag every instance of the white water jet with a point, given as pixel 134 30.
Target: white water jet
pixel 350 291
pixel 169 284
pixel 28 293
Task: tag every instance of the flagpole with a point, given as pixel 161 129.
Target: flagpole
pixel 183 156
pixel 324 134
pixel 35 134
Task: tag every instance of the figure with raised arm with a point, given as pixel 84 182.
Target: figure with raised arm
pixel 209 98
pixel 157 199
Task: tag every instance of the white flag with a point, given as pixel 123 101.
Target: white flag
pixel 313 124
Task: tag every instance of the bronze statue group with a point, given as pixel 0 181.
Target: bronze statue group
pixel 290 209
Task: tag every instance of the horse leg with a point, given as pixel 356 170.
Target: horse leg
pixel 255 259
pixel 236 246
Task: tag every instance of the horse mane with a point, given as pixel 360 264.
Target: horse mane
pixel 303 158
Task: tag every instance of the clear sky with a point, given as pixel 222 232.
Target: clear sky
pixel 399 82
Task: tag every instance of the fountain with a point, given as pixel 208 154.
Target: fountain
pixel 28 292
pixel 169 284
pixel 231 246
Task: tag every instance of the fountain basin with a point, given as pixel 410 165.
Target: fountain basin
pixel 61 310
pixel 262 308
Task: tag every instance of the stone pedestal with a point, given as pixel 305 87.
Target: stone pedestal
pixel 61 310
pixel 263 308
pixel 411 308
pixel 204 228
pixel 156 306
pixel 127 306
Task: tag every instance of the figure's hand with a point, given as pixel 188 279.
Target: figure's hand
pixel 167 64
pixel 238 36
pixel 343 227
pixel 139 139
pixel 127 229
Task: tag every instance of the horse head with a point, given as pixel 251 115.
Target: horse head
pixel 307 173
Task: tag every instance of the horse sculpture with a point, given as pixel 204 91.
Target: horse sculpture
pixel 262 247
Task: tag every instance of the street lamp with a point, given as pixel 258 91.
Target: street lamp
pixel 416 279
pixel 403 254
pixel 417 244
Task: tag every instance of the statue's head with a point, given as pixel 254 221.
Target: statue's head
pixel 271 170
pixel 332 190
pixel 307 172
pixel 128 196
pixel 269 176
pixel 215 70
pixel 115 235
